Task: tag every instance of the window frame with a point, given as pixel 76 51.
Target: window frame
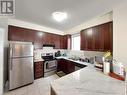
pixel 72 41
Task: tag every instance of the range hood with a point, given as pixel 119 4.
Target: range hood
pixel 48 45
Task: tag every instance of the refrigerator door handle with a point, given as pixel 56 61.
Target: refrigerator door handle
pixel 10 52
pixel 11 64
pixel 11 67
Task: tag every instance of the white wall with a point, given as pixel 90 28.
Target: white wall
pixel 3 51
pixel 1 59
pixel 120 33
pixel 29 25
pixel 90 23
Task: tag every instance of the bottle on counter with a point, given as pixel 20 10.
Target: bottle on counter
pixel 118 68
pixel 106 64
pixel 106 67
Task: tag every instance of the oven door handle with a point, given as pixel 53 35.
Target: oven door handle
pixel 46 65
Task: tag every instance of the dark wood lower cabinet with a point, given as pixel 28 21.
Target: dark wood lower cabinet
pixel 70 67
pixel 66 66
pixel 60 65
pixel 38 69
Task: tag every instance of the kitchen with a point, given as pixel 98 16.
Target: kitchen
pixel 65 53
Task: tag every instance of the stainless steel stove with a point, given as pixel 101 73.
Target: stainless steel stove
pixel 50 64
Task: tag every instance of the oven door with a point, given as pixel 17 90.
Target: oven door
pixel 50 65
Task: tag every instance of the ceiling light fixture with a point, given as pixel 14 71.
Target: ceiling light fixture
pixel 59 16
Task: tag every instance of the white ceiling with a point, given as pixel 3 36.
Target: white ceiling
pixel 79 11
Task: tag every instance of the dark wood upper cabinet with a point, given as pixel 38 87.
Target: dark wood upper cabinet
pixel 106 36
pixel 83 40
pixel 89 35
pixel 37 37
pixel 47 39
pixel 65 42
pixel 86 39
pixel 97 38
pixel 23 34
pixel 56 41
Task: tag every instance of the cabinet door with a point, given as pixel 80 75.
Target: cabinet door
pixel 105 36
pixel 70 67
pixel 38 70
pixel 63 42
pixel 64 68
pixel 96 43
pixel 21 34
pixel 16 33
pixel 61 65
pixel 89 39
pixel 84 40
pixel 48 38
pixel 56 40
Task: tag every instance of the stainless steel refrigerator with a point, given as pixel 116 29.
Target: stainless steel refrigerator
pixel 20 64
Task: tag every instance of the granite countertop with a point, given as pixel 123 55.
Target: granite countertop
pixel 38 60
pixel 76 61
pixel 88 81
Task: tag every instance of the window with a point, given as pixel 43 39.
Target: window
pixel 76 42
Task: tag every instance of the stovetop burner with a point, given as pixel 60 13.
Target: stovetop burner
pixel 49 59
pixel 48 56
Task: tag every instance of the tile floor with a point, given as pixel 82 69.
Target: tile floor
pixel 39 87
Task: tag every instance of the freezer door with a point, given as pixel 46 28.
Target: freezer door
pixel 20 72
pixel 20 50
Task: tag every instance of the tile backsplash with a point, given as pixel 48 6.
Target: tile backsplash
pixel 68 53
pixel 85 54
pixel 37 53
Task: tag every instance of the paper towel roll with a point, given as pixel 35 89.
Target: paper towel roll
pixel 106 67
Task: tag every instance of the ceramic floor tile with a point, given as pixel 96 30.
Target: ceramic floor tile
pixel 45 93
pixel 21 91
pixel 39 87
pixel 32 89
pixel 34 92
pixel 9 93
